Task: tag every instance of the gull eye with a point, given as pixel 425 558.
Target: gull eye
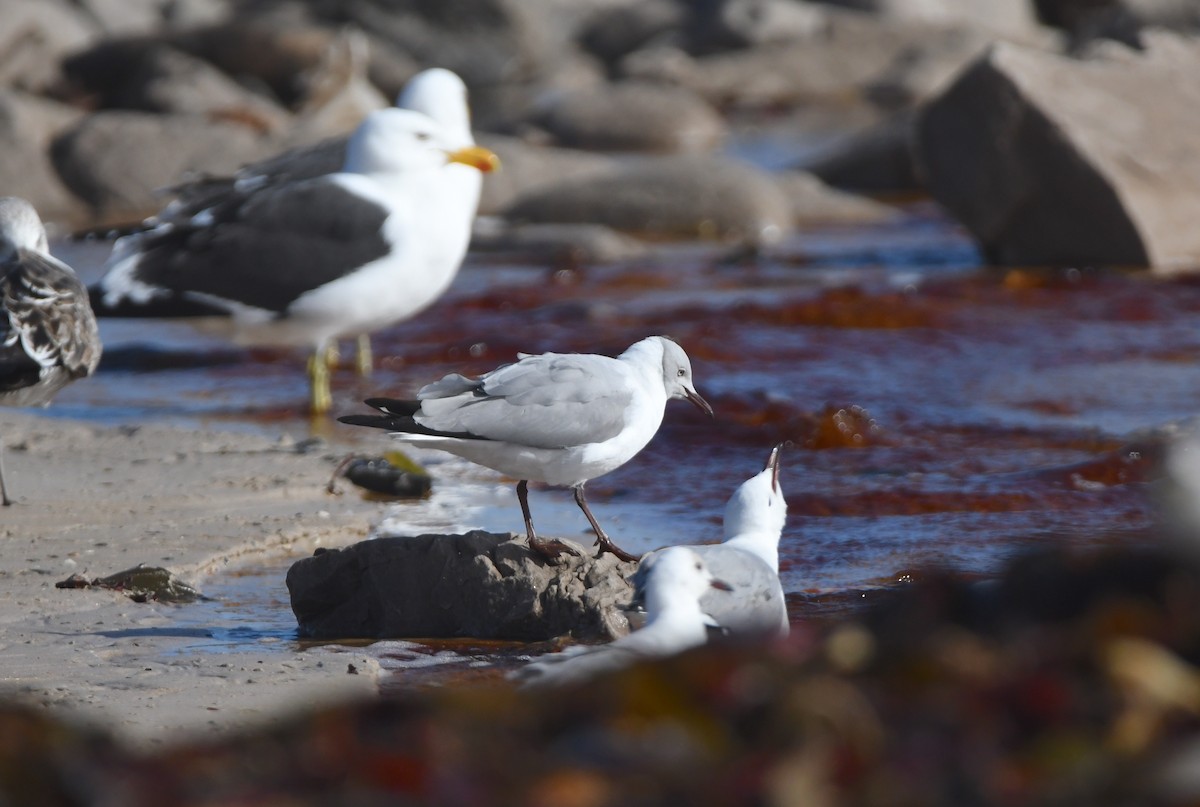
pixel 681 372
pixel 423 136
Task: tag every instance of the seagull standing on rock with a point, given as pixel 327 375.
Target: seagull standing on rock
pixel 303 263
pixel 557 418
pixel 748 560
pixel 48 336
pixel 676 621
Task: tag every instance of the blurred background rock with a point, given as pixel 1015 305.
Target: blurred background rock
pixel 103 104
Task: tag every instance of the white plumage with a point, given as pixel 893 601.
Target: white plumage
pixel 562 419
pixel 675 622
pixel 306 261
pixel 748 559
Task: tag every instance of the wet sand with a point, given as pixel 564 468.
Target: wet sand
pixel 98 500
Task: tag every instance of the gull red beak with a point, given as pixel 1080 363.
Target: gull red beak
pixel 721 585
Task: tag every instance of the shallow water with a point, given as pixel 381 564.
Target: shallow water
pixel 937 409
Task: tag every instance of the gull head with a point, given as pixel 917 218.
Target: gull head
pixel 679 576
pixel 403 141
pixel 677 375
pixel 441 95
pixel 20 227
pixel 757 506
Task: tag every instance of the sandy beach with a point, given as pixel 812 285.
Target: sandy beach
pixel 98 500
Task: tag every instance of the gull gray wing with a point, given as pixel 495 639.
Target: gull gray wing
pixel 576 666
pixel 49 318
pixel 548 401
pixel 755 607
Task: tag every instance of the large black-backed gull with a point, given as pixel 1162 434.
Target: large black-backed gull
pixel 48 336
pixel 309 261
pixel 436 92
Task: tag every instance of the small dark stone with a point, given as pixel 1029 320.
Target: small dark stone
pixel 141 584
pixel 378 475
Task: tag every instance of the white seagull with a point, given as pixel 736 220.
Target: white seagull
pixel 675 622
pixel 748 560
pixel 48 336
pixel 305 262
pixel 558 418
pixel 436 92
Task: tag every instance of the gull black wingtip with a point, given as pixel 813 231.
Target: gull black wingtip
pixel 373 421
pixel 393 406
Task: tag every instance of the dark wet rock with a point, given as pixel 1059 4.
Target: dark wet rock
pixel 878 159
pixel 389 67
pixel 141 584
pixel 1005 17
pixel 123 17
pixel 181 15
pixel 814 202
pixel 378 475
pixel 894 63
pixel 479 584
pixel 526 168
pixel 1121 20
pixel 669 197
pixel 632 116
pixel 337 93
pixel 158 78
pixel 116 160
pixel 28 124
pixel 35 36
pixel 717 25
pixel 484 41
pixel 1054 161
pixel 557 245
pixel 614 32
pixel 277 47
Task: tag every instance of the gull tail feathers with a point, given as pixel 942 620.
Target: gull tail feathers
pixel 402 425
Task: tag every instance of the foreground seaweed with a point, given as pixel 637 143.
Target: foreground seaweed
pixel 1071 679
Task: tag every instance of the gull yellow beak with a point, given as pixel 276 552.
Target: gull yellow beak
pixel 477 157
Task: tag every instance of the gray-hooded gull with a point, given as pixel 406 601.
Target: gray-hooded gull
pixel 748 559
pixel 305 262
pixel 557 418
pixel 48 336
pixel 676 621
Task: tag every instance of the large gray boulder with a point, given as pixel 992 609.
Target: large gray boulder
pixel 814 202
pixel 1014 18
pixel 479 584
pixel 669 197
pixel 891 62
pixel 1050 160
pixel 117 161
pixel 526 168
pixel 154 77
pixel 632 116
pixel 878 159
pixel 35 36
pixel 28 124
